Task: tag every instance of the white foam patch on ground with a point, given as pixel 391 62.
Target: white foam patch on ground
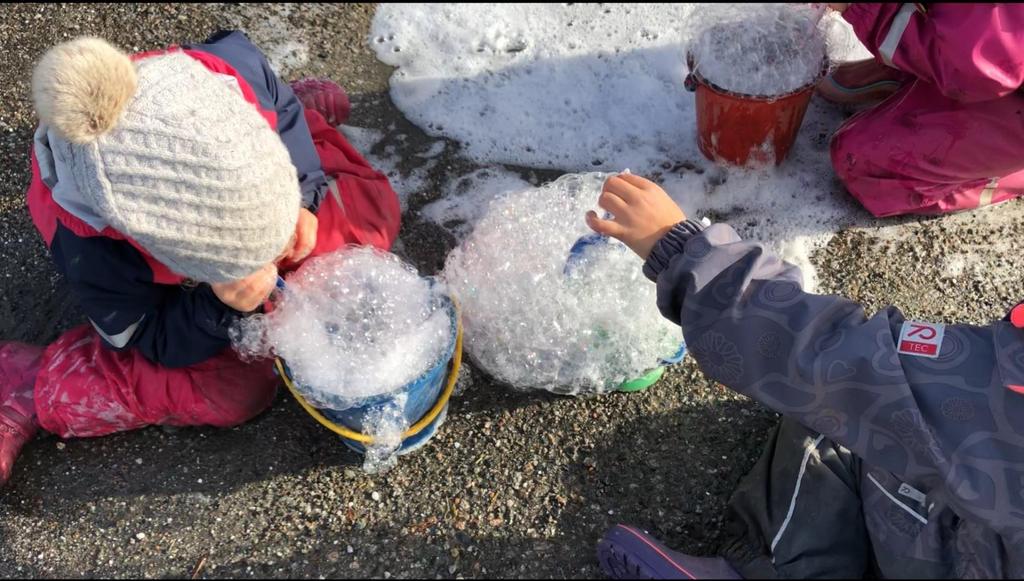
pixel 540 85
pixel 577 87
pixel 405 183
pixel 468 199
pixel 288 56
pixel 955 265
pixel 280 41
pixel 843 44
pixel 582 87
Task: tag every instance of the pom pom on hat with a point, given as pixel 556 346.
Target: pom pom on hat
pixel 80 88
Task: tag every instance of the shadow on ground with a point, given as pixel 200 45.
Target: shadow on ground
pixel 633 476
pixel 541 519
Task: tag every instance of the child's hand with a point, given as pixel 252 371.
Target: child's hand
pixel 643 212
pixel 247 294
pixel 304 239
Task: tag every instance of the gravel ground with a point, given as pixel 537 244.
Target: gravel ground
pixel 514 485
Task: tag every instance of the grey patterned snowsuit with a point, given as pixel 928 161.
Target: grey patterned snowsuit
pixel 887 464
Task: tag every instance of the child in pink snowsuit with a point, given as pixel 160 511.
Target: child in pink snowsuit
pixel 171 188
pixel 950 137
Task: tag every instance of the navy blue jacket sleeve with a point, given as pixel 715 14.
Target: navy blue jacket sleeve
pixel 236 48
pixel 170 325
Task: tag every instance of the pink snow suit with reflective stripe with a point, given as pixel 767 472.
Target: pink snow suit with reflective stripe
pixel 951 138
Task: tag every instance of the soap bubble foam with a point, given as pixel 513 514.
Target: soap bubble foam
pixel 386 424
pixel 758 49
pixel 352 325
pixel 534 322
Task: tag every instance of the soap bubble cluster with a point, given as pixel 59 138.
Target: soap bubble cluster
pixel 351 325
pixel 535 318
pixel 758 49
pixel 387 424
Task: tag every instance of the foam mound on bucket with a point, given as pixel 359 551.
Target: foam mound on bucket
pixel 351 325
pixel 529 322
pixel 763 49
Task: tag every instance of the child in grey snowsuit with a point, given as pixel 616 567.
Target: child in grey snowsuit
pixel 901 451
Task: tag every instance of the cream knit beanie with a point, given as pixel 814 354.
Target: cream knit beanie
pixel 172 156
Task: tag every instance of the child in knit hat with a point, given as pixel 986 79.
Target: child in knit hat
pixel 171 188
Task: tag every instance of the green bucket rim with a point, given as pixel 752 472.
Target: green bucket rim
pixel 642 383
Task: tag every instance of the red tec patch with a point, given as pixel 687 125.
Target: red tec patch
pixel 921 339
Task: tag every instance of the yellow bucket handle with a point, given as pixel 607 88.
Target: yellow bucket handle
pixel 416 428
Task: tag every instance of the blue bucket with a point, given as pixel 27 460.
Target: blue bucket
pixel 425 408
pixel 576 258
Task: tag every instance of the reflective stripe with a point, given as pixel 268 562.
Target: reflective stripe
pixel 923 520
pixel 892 40
pixel 796 492
pixel 121 339
pixel 986 194
pixel 912 493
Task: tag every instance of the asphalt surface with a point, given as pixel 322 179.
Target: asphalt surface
pixel 514 485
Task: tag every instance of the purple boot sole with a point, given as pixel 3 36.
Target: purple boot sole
pixel 626 552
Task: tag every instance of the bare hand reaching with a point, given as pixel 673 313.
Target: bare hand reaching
pixel 304 239
pixel 642 212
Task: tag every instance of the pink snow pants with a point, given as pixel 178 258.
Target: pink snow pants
pixel 920 152
pixel 84 389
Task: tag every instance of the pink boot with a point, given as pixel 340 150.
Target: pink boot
pixel 861 82
pixel 19 365
pixel 325 97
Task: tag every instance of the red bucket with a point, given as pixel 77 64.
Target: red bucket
pixel 745 129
